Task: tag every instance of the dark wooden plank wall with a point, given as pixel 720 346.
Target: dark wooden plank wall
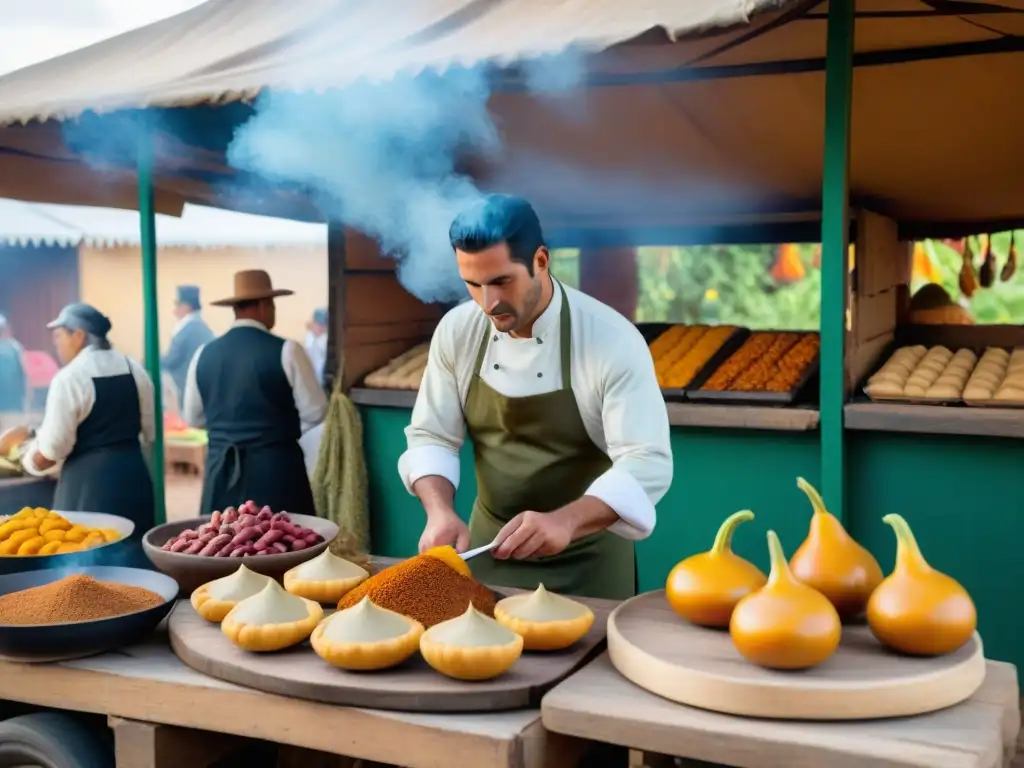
pixel 374 319
pixel 35 282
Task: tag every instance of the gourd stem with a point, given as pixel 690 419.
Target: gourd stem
pixel 907 550
pixel 813 496
pixel 723 539
pixel 780 568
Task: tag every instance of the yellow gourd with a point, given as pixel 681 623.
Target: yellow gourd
pixel 545 621
pixel 471 647
pixel 785 624
pixel 704 588
pixel 366 637
pixel 271 620
pixel 326 578
pixel 49 548
pixel 215 599
pixel 918 610
pixel 830 561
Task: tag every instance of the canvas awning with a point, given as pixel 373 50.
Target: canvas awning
pixel 23 223
pixel 691 115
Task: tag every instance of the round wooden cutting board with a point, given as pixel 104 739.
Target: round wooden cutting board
pixel 654 648
pixel 411 687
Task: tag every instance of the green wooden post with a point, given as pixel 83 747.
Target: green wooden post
pixel 147 225
pixel 835 232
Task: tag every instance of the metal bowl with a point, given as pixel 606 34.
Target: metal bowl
pixel 73 640
pixel 191 571
pixel 112 553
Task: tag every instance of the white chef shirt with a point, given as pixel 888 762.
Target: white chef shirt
pixel 613 380
pixel 71 398
pixel 310 401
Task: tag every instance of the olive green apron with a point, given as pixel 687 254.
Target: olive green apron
pixel 533 453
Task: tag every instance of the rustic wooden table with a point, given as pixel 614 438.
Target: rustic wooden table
pixel 598 703
pixel 145 688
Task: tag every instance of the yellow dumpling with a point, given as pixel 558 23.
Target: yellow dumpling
pixel 271 619
pixel 546 622
pixel 366 637
pixel 471 647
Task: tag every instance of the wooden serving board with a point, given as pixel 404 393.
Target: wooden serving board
pixel 411 687
pixel 655 649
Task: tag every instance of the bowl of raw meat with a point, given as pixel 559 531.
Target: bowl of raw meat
pixel 195 551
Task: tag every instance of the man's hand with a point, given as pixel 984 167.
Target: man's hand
pixel 444 527
pixel 533 534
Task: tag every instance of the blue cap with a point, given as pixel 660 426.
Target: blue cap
pixel 189 294
pixel 82 317
pixel 320 316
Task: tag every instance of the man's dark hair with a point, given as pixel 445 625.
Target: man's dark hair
pixel 249 304
pixel 499 219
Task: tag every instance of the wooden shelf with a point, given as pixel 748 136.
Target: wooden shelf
pixel 935 419
pixel 799 419
pixel 795 419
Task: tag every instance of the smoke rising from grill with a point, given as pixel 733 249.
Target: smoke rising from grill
pixel 382 158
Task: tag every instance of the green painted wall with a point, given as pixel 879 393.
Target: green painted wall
pixel 961 495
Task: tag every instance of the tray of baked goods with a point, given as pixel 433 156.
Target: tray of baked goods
pixel 685 355
pixel 769 368
pixel 940 376
pixel 403 372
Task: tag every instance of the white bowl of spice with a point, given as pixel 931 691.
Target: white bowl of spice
pixel 53 615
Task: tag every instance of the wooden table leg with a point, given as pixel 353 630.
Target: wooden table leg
pixel 147 745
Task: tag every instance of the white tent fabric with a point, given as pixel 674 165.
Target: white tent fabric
pixel 200 228
pixel 697 111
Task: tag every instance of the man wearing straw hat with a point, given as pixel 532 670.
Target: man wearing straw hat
pixel 256 394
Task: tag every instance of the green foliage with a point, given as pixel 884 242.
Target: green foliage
pixel 999 304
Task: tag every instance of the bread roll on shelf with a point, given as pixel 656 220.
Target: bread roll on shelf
pixel 403 372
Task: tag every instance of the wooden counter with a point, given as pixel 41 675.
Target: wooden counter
pixel 597 703
pixel 148 684
pixel 797 419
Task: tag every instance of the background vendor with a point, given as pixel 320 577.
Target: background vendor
pixel 256 394
pixel 559 395
pixel 189 334
pixel 97 423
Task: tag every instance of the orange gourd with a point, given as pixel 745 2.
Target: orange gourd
pixel 832 562
pixel 705 588
pixel 785 624
pixel 918 610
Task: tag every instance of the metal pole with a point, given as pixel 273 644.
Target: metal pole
pixel 835 232
pixel 147 225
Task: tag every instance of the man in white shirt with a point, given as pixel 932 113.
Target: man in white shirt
pixel 559 395
pixel 316 342
pixel 256 394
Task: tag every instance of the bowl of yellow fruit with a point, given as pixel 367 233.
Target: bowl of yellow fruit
pixel 36 538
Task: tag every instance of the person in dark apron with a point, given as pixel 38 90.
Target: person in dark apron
pixel 255 393
pixel 565 509
pixel 98 407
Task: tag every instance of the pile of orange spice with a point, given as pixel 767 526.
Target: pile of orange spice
pixel 425 589
pixel 74 599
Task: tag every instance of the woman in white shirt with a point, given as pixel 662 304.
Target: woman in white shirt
pixel 99 414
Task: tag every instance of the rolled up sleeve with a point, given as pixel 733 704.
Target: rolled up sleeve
pixel 68 401
pixel 437 430
pixel 636 431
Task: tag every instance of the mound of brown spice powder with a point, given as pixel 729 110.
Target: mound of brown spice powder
pixel 75 598
pixel 424 589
